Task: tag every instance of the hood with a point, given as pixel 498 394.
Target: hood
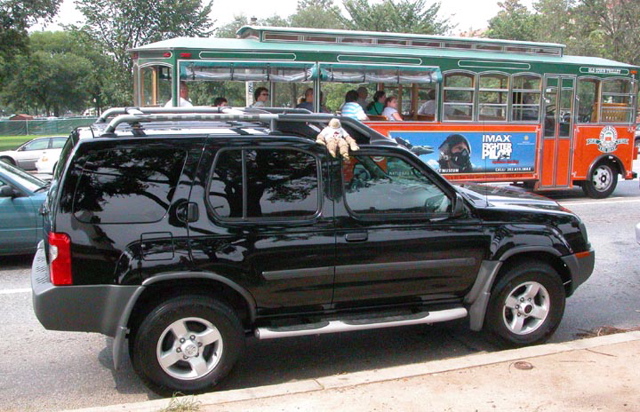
pixel 500 197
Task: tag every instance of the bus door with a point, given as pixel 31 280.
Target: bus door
pixel 557 140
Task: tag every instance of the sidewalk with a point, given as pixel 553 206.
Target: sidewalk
pixel 595 374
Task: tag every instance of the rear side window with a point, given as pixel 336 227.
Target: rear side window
pixel 127 185
pixel 252 184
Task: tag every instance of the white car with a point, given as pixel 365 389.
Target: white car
pixel 28 153
pixel 47 161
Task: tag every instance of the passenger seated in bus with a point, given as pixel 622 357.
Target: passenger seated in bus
pixel 376 106
pixel 184 97
pixel 351 108
pixel 220 102
pixel 391 109
pixel 308 100
pixel 428 108
pixel 363 93
pixel 260 95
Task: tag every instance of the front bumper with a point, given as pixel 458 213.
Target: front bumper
pixel 580 268
pixel 85 308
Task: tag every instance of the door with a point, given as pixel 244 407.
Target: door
pixel 18 226
pixel 269 225
pixel 556 154
pixel 396 241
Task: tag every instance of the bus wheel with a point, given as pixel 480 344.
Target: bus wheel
pixel 601 182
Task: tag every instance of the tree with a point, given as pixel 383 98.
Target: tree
pixel 404 16
pixel 513 22
pixel 320 14
pixel 120 25
pixel 611 28
pixel 16 16
pixel 52 76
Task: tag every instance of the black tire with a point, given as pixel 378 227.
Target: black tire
pixel 187 344
pixel 8 160
pixel 526 305
pixel 601 182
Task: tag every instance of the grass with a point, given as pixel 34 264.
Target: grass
pixel 12 142
pixel 182 404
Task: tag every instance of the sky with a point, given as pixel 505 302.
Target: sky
pixel 467 14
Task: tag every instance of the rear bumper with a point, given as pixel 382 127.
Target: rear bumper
pixel 580 268
pixel 77 308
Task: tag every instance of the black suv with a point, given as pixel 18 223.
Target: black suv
pixel 184 231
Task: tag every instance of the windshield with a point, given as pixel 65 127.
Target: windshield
pixel 21 177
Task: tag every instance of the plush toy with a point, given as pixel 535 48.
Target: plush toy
pixel 335 137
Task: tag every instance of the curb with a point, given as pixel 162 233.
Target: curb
pixel 381 375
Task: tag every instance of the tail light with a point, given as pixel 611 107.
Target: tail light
pixel 60 259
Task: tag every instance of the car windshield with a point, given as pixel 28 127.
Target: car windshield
pixel 21 177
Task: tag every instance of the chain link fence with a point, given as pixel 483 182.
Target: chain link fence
pixel 43 127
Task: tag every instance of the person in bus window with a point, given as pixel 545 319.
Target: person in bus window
pixel 260 95
pixel 428 108
pixel 391 109
pixel 351 108
pixel 220 102
pixel 376 106
pixel 363 93
pixel 184 97
pixel 308 100
pixel 455 155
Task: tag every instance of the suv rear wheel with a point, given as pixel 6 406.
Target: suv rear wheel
pixel 187 344
pixel 526 305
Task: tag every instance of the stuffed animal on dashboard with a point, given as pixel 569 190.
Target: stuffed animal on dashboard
pixel 335 137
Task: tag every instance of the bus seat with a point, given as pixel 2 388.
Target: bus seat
pixel 426 117
pixel 614 112
pixel 376 117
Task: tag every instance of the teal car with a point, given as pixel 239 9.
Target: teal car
pixel 21 196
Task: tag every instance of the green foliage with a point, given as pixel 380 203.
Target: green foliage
pixel 120 25
pixel 16 16
pixel 404 16
pixel 51 77
pixel 513 22
pixel 321 14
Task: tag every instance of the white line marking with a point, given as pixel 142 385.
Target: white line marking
pixel 596 202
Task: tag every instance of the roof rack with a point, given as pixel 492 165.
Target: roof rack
pixel 134 116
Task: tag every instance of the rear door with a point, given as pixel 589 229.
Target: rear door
pixel 397 242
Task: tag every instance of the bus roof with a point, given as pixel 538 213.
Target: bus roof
pixel 284 44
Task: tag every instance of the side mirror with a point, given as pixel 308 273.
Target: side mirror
pixel 7 191
pixel 458 206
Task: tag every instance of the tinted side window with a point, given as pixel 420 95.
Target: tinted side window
pixel 384 185
pixel 265 183
pixel 58 142
pixel 127 185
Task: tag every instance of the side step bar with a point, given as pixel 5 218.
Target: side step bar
pixel 335 326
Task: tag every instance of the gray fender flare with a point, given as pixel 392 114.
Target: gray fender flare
pixel 122 329
pixel 478 297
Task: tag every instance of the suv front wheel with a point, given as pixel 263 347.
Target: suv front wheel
pixel 187 344
pixel 526 305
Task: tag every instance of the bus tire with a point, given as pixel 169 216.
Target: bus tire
pixel 601 182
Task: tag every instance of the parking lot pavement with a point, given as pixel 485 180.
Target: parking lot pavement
pixel 594 374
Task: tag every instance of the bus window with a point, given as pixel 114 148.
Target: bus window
pixel 525 96
pixel 492 97
pixel 155 85
pixel 588 100
pixel 617 101
pixel 428 103
pixel 459 91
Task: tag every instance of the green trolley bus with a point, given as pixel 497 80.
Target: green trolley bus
pixel 525 111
